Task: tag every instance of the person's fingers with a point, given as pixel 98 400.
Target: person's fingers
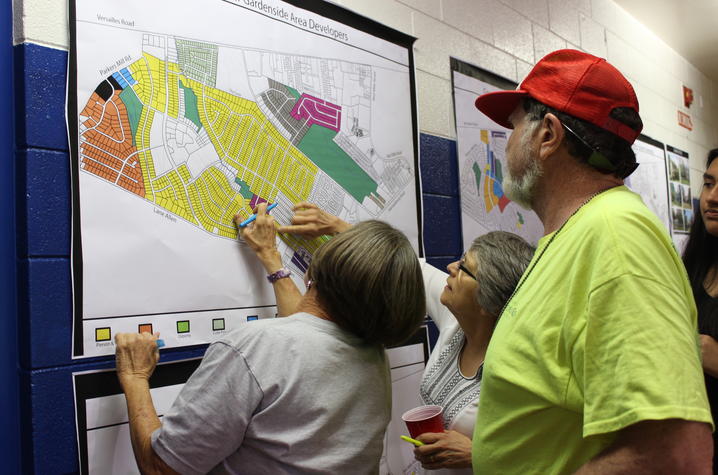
pixel 261 209
pixel 426 450
pixel 301 229
pixel 430 437
pixel 302 219
pixel 304 205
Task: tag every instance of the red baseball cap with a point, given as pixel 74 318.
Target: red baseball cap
pixel 576 83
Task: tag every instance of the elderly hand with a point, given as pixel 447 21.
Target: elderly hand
pixel 261 236
pixel 311 221
pixel 136 355
pixel 449 449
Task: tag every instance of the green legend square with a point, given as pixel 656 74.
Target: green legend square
pixel 217 324
pixel 183 326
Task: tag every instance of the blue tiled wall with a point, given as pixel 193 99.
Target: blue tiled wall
pixel 43 246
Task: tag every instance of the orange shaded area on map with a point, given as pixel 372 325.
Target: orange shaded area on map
pixel 107 148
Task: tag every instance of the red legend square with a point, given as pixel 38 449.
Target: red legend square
pixel 145 328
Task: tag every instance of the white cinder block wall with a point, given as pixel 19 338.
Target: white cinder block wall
pixel 506 37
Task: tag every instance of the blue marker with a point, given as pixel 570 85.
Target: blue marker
pixel 160 343
pixel 254 216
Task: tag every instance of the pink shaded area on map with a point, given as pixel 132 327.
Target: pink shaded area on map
pixel 256 200
pixel 318 111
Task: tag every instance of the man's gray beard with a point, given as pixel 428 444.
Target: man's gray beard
pixel 521 189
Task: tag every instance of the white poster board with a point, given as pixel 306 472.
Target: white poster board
pixel 183 115
pixel 650 180
pixel 103 432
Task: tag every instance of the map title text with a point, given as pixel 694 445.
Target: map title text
pixel 282 14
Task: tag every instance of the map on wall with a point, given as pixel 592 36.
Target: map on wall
pixel 183 117
pixel 481 145
pixel 650 179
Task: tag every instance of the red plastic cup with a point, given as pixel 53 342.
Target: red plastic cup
pixel 424 419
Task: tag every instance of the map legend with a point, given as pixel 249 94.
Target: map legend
pixel 252 317
pixel 183 326
pixel 144 328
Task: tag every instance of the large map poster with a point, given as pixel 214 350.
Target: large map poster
pixel 650 179
pixel 184 113
pixel 481 152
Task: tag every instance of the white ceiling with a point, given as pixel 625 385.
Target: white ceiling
pixel 688 26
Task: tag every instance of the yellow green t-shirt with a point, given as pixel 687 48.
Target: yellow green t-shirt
pixel 601 335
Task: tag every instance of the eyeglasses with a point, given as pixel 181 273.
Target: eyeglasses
pixel 463 268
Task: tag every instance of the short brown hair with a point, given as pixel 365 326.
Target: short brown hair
pixel 369 281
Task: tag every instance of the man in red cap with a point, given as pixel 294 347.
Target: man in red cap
pixel 594 365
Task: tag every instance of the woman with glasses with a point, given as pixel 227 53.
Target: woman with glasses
pixel 309 393
pixel 464 304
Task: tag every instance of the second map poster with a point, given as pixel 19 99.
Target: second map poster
pixel 481 147
pixel 184 113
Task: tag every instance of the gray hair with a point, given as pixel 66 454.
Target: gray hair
pixel 369 281
pixel 501 260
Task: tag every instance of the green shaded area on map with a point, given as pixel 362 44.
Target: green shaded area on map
pixel 327 155
pixel 198 60
pixel 244 189
pixel 190 106
pixel 477 173
pixel 293 92
pixel 134 110
pixel 499 174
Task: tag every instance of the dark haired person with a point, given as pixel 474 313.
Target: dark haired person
pixel 309 393
pixel 701 259
pixel 464 304
pixel 593 366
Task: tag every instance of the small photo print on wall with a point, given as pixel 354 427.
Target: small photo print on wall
pixel 678 220
pixel 679 186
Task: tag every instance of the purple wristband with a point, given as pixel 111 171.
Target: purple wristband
pixel 280 274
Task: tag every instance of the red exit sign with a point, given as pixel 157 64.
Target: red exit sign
pixel 684 120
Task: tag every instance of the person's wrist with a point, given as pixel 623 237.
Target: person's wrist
pixel 271 259
pixel 339 226
pixel 282 273
pixel 130 381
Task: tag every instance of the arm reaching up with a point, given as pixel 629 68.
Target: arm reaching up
pixel 261 236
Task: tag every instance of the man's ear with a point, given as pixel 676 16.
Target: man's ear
pixel 550 136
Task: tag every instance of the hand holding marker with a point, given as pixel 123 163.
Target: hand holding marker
pixel 254 216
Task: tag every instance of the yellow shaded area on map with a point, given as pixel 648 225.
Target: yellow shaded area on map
pixel 485 136
pixel 251 148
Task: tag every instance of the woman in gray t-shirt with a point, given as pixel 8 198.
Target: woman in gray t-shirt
pixel 305 394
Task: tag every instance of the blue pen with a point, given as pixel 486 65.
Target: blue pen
pixel 254 216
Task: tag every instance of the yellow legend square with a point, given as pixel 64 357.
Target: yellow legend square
pixel 103 334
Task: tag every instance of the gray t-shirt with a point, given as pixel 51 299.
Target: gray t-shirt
pixel 286 395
